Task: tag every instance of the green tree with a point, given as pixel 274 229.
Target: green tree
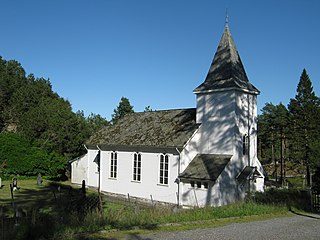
pixel 148 109
pixel 96 122
pixel 266 132
pixel 12 77
pixel 122 109
pixel 30 108
pixel 272 136
pixel 28 96
pixel 281 125
pixel 19 156
pixel 304 112
pixel 53 126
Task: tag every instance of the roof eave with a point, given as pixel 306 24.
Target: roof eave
pixel 137 148
pixel 226 89
pixel 197 179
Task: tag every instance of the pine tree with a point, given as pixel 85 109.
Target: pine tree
pixel 96 122
pixel 122 109
pixel 272 132
pixel 303 113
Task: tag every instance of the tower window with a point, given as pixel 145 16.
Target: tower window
pixel 245 144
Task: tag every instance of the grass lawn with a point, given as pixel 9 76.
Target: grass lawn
pixel 50 214
pixel 28 193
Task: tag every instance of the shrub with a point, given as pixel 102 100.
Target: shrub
pixel 19 157
pixel 284 197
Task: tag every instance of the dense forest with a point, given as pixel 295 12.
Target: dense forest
pixel 40 132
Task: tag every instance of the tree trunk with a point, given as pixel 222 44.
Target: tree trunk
pixel 308 176
pixel 286 157
pixel 273 159
pixel 282 159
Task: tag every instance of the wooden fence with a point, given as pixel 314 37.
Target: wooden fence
pixel 316 201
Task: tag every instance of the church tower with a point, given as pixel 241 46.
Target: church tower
pixel 227 106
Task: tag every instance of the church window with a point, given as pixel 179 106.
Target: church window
pixel 199 184
pixel 113 165
pixel 137 167
pixel 245 144
pixel 164 169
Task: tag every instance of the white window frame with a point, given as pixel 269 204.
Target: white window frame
pixel 163 169
pixel 136 167
pixel 113 165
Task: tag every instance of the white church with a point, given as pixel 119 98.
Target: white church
pixel 203 156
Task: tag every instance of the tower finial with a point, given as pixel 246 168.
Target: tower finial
pixel 227 18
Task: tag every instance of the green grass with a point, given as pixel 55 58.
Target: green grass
pixel 27 197
pixel 50 217
pixel 126 218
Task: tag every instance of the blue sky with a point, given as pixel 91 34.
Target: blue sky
pixel 156 52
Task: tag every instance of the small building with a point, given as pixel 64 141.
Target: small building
pixel 203 156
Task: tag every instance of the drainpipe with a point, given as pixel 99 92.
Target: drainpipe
pixel 178 180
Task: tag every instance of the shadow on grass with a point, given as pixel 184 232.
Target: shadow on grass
pixel 57 211
pixel 305 215
pixel 130 236
pixel 39 212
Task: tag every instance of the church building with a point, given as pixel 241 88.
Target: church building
pixel 203 156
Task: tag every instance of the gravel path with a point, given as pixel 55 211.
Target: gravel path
pixel 296 227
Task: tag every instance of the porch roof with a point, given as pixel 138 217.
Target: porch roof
pixel 247 172
pixel 205 167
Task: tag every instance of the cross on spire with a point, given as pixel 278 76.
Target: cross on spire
pixel 227 17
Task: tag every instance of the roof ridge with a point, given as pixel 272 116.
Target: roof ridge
pixel 167 110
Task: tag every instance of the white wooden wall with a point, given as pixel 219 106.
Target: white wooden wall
pixel 149 184
pixel 79 170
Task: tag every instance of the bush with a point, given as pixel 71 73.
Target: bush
pixel 19 157
pixel 299 199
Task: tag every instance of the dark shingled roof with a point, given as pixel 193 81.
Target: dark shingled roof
pixel 226 70
pixel 168 128
pixel 247 172
pixel 205 167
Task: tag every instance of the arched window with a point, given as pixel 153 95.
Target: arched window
pixel 245 144
pixel 164 169
pixel 137 167
pixel 113 165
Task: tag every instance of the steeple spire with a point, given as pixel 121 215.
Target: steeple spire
pixel 226 71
